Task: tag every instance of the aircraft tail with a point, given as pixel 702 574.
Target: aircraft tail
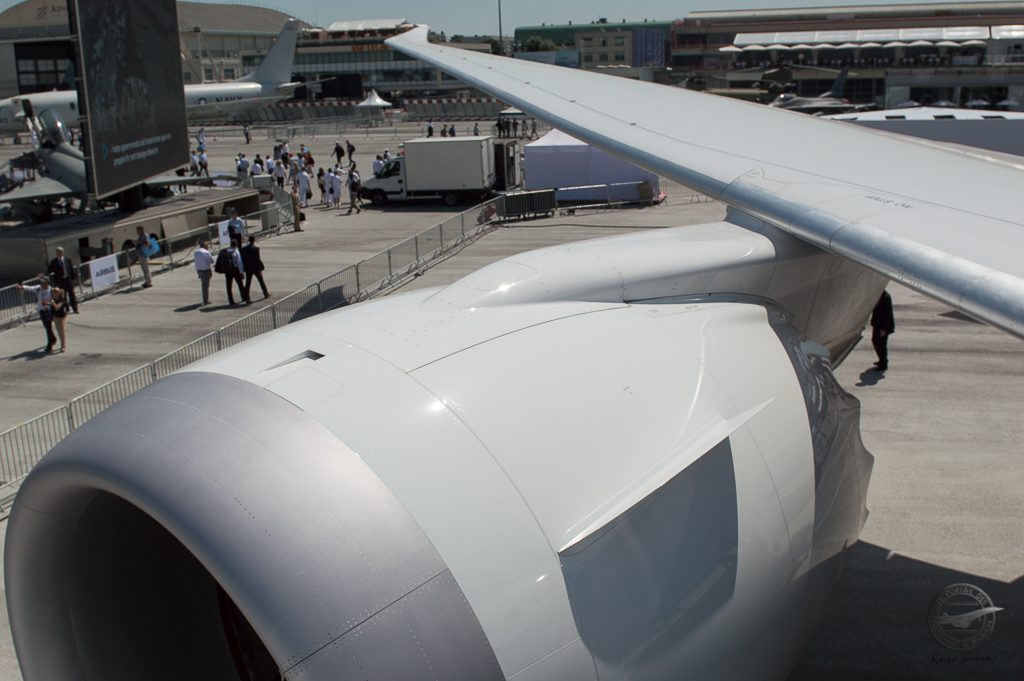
pixel 839 85
pixel 276 67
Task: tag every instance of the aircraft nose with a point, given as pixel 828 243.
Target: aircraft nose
pixel 206 523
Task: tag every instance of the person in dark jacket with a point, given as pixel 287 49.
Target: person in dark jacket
pixel 63 275
pixel 253 267
pixel 883 325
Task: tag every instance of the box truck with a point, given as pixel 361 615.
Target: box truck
pixel 453 169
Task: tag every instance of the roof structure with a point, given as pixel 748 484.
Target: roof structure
pixel 38 18
pixel 366 25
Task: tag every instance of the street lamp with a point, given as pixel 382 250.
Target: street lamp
pixel 501 36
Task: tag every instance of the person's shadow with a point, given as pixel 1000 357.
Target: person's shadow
pixel 870 377
pixel 188 308
pixel 30 355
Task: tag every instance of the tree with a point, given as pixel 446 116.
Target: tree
pixel 537 44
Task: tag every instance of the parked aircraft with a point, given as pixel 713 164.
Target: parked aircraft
pixel 56 169
pixel 269 83
pixel 621 459
pixel 831 102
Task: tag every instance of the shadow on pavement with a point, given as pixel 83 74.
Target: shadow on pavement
pixel 877 626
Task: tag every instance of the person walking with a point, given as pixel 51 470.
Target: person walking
pixel 142 246
pixel 204 268
pixel 63 275
pixel 279 172
pixel 305 193
pixel 351 149
pixel 253 265
pixel 60 316
pixel 296 210
pixel 236 227
pixel 44 306
pixel 339 151
pixel 883 325
pixel 229 263
pixel 336 184
pixel 248 133
pixel 204 163
pixel 354 185
pixel 476 130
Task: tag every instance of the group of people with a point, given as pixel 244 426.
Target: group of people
pixel 55 298
pixel 513 127
pixel 235 261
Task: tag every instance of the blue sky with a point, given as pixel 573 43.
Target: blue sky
pixel 481 16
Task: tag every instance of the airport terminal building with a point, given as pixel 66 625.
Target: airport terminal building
pixel 957 52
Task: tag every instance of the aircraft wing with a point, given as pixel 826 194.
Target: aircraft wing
pixel 39 189
pixel 939 222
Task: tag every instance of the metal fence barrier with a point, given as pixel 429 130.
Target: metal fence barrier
pixel 22 446
pixel 19 306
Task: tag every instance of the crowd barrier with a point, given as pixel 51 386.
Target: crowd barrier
pixel 18 306
pixel 22 446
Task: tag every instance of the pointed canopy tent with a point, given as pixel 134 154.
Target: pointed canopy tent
pixel 560 160
pixel 373 100
pixel 511 112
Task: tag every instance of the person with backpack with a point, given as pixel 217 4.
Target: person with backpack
pixel 354 185
pixel 229 263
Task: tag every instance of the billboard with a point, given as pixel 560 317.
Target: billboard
pixel 131 90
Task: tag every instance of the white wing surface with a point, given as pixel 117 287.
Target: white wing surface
pixel 946 224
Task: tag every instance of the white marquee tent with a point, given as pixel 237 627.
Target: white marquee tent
pixel 560 160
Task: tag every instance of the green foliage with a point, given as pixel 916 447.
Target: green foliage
pixel 537 44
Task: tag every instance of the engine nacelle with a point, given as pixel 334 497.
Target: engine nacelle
pixel 421 487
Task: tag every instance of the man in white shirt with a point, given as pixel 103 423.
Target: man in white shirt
pixel 302 179
pixel 44 305
pixel 279 170
pixel 236 227
pixel 242 166
pixel 204 268
pixel 338 180
pixel 378 163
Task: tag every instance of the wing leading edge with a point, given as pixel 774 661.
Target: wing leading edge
pixel 940 222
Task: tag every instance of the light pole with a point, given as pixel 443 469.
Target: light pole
pixel 501 36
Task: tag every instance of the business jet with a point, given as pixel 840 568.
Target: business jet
pixel 626 458
pixel 269 83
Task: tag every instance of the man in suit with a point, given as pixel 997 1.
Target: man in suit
pixel 253 267
pixel 63 275
pixel 883 325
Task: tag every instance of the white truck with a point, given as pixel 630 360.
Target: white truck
pixel 449 168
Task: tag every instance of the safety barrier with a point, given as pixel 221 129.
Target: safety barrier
pixel 18 306
pixel 22 446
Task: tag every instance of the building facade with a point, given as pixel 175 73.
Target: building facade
pixel 960 53
pixel 221 42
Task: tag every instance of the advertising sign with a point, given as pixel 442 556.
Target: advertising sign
pixel 131 91
pixel 103 272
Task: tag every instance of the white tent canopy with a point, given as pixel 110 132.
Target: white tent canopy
pixel 374 100
pixel 560 160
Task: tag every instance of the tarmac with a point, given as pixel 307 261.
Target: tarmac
pixel 947 492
